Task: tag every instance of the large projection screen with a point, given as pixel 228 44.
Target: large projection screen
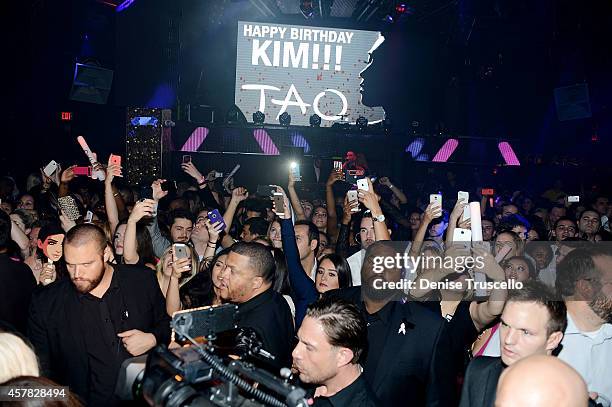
pixel 303 71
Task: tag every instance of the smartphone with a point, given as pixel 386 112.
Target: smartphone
pixel 462 235
pixel 214 216
pixel 69 206
pixel 351 195
pixel 50 168
pixel 82 171
pixel 186 159
pixel 146 192
pixel 295 171
pixel 115 159
pixel 218 174
pixel 279 202
pixel 266 190
pixel 435 198
pixel 464 197
pixel 487 192
pixel 180 251
pixel 88 217
pixel 363 184
pixel 168 185
pixel 573 198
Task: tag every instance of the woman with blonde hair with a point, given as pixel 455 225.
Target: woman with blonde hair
pixel 164 268
pixel 16 358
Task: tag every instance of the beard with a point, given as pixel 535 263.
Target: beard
pixel 85 286
pixel 602 306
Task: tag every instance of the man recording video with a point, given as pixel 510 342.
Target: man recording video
pixel 332 339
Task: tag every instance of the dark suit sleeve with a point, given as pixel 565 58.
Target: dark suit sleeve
pixel 37 333
pixel 466 396
pixel 161 319
pixel 441 384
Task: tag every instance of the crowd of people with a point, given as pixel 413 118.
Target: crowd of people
pixel 82 294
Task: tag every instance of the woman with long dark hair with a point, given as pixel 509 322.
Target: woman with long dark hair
pixel 333 272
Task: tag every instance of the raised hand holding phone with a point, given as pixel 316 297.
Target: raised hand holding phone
pixel 285 212
pixel 142 208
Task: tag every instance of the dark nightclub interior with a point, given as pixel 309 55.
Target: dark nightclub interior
pixel 241 171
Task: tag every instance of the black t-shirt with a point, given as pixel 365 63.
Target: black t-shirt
pixel 269 315
pixel 102 318
pixel 356 394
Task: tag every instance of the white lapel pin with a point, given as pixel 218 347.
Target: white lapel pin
pixel 402 329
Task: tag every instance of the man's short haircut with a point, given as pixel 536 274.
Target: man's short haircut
pixel 5 229
pixel 260 258
pixel 257 226
pixel 181 214
pixel 539 293
pixel 255 205
pixel 559 206
pixel 511 221
pixel 313 232
pixel 84 233
pixel 589 210
pixel 578 265
pixel 343 324
pixel 565 219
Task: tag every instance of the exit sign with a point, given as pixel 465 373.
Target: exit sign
pixel 66 116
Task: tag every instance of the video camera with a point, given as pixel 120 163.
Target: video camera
pixel 197 375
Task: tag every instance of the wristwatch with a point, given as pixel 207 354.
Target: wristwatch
pixel 379 218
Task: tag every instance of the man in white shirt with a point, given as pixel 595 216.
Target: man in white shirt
pixel 584 279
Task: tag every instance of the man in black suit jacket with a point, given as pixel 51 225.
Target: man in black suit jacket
pixel 409 350
pixel 532 323
pixel 84 327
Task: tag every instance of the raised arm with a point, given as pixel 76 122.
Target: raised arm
pixel 453 219
pixel 160 243
pixel 112 213
pixel 130 244
pixel 342 243
pixel 238 195
pixel 173 298
pixel 484 313
pixel 432 211
pixel 332 216
pixel 370 200
pixel 396 191
pixel 304 292
pixel 298 211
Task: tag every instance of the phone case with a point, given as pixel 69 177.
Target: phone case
pixel 363 184
pixel 437 198
pixel 69 207
pixel 462 235
pixel 50 168
pixel 352 197
pixel 279 202
pixel 214 216
pixel 180 251
pixel 186 159
pixel 115 159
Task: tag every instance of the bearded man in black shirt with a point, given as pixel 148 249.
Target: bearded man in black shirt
pixel 84 327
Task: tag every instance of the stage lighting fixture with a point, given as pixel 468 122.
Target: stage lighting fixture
pixel 401 8
pixel 235 116
pixel 362 123
pixel 315 120
pixel 259 117
pixel 285 119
